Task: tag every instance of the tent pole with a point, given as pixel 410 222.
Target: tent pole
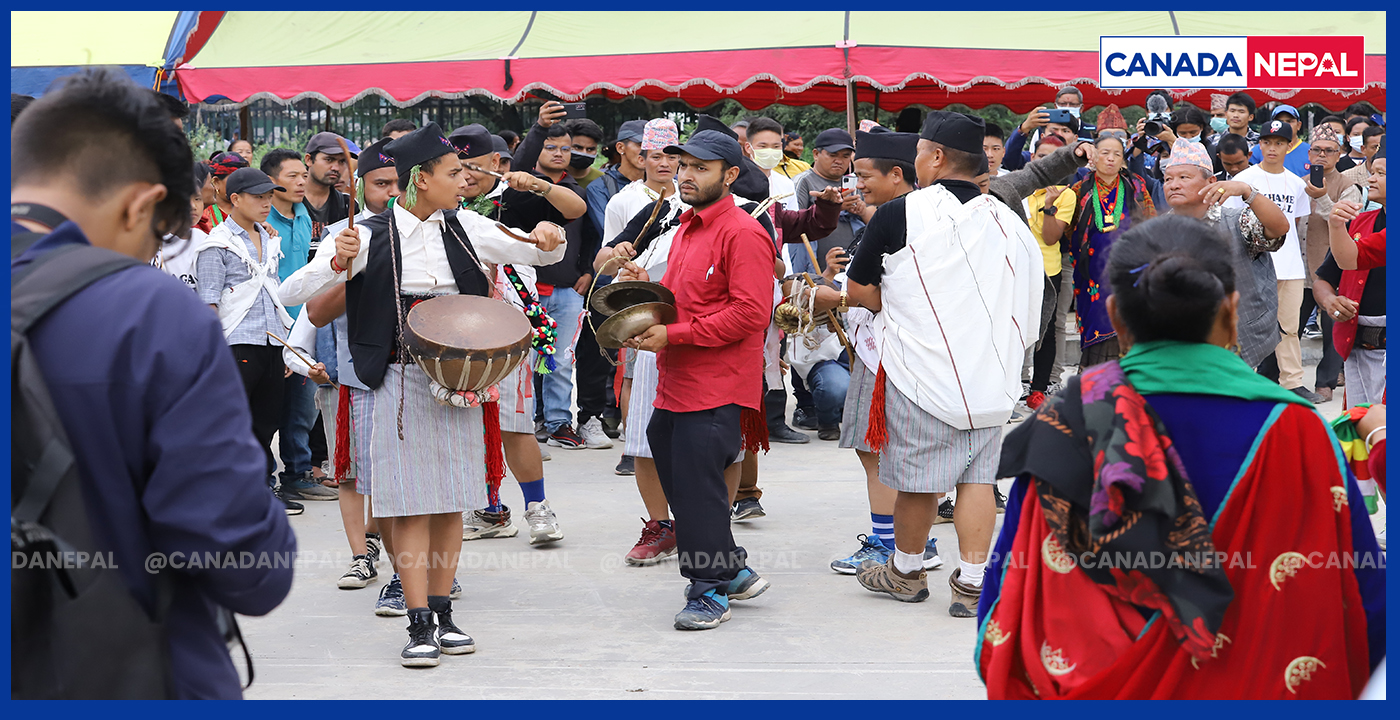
pixel 851 107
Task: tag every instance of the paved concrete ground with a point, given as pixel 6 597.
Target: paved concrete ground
pixel 572 621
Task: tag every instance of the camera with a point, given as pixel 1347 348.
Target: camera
pixel 1156 122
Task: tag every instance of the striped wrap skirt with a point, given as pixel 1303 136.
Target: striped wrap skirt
pixel 855 418
pixel 517 403
pixel 641 404
pixel 439 466
pixel 926 455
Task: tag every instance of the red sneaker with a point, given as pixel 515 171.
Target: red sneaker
pixel 657 543
pixel 1035 400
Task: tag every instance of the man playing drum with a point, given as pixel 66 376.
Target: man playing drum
pixel 426 456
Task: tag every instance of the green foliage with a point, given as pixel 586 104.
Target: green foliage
pixel 203 141
pixel 296 143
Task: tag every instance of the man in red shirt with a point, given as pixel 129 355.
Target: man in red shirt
pixel 710 372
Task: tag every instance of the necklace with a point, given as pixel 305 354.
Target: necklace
pixel 1106 219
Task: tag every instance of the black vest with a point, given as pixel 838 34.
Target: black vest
pixel 370 297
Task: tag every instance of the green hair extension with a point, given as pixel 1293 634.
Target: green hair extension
pixel 360 192
pixel 411 194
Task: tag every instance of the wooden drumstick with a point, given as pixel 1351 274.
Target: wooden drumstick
pixel 831 317
pixel 349 220
pixel 300 357
pixel 656 210
pixel 816 267
pixel 510 233
pixel 477 168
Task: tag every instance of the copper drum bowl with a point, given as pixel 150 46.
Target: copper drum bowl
pixel 630 322
pixel 466 342
pixel 615 297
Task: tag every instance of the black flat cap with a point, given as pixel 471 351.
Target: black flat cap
pixel 419 147
pixel 373 158
pixel 472 140
pixel 887 146
pixel 955 130
pixel 250 181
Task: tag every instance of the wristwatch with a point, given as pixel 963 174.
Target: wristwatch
pixel 1048 210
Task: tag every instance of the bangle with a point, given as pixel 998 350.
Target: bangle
pixel 1254 192
pixel 843 307
pixel 1372 434
pixel 336 266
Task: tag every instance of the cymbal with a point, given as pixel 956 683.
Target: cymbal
pixel 615 296
pixel 632 321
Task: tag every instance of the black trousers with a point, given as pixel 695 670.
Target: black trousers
pixel 261 368
pixel 1331 364
pixel 691 450
pixel 1043 361
pixel 592 376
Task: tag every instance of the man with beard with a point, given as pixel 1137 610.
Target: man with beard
pixel 326 166
pixel 709 364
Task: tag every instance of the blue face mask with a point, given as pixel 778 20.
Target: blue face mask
pixel 1219 125
pixel 1196 139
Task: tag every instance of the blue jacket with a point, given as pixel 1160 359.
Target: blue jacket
pixel 598 194
pixel 148 393
pixel 296 242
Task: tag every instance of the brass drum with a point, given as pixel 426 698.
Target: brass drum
pixel 466 342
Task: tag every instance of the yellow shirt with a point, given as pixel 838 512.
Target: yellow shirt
pixel 1064 212
pixel 790 168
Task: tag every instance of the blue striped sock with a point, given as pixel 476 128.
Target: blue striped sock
pixel 882 526
pixel 533 491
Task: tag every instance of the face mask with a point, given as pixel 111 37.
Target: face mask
pixel 1356 142
pixel 579 161
pixel 767 158
pixel 1072 110
pixel 1219 124
pixel 1196 140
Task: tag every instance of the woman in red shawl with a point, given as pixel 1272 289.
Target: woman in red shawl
pixel 1179 526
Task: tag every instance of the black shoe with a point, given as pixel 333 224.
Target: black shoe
pixel 449 637
pixel 626 466
pixel 785 434
pixel 565 437
pixel 612 427
pixel 746 509
pixel 945 512
pixel 422 649
pixel 829 433
pixel 1308 395
pixel 293 507
pixel 804 419
pixel 541 434
pixel 1001 500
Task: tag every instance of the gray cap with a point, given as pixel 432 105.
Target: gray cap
pixel 501 146
pixel 632 131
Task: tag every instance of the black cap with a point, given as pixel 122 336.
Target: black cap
pixel 1276 128
pixel 955 130
pixel 1380 153
pixel 752 183
pixel 501 146
pixel 887 145
pixel 325 142
pixel 708 122
pixel 833 140
pixel 373 158
pixel 472 140
pixel 250 181
pixel 419 147
pixel 631 131
pixel 710 145
pixel 983 167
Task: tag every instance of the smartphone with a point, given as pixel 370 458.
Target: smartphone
pixel 848 182
pixel 1059 115
pixel 1315 176
pixel 575 110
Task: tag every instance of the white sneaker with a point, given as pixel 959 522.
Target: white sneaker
pixel 593 436
pixel 482 525
pixel 544 526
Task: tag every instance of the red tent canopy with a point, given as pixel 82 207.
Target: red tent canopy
pixel 893 58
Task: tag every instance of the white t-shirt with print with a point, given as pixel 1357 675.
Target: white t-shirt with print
pixel 1290 195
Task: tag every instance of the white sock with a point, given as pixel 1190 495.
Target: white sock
pixel 971 573
pixel 908 563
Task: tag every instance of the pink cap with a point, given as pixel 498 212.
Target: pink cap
pixel 1185 152
pixel 660 133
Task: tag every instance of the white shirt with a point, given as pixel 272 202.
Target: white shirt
pixel 625 205
pixel 177 257
pixel 1290 195
pixel 779 185
pixel 425 270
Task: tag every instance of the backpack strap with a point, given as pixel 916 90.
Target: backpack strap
pixel 56 276
pixel 611 182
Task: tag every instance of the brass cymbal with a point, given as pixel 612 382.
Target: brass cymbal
pixel 632 321
pixel 616 296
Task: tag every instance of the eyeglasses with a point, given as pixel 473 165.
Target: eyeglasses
pixel 558 149
pixel 1322 151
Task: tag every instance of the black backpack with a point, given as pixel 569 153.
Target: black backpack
pixel 76 630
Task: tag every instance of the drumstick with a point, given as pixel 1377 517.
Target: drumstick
pixel 763 206
pixel 288 345
pixel 349 220
pixel 477 168
pixel 656 210
pixel 831 316
pixel 816 267
pixel 511 234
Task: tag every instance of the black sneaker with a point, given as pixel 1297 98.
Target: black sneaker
pixel 626 466
pixel 451 638
pixel 565 437
pixel 293 507
pixel 829 434
pixel 612 427
pixel 422 649
pixel 374 547
pixel 746 509
pixel 1001 499
pixel 1308 395
pixel 785 434
pixel 804 418
pixel 360 573
pixel 945 512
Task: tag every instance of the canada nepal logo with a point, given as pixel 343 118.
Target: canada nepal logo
pixel 1255 61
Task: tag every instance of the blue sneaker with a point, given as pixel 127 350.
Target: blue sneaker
pixel 457 588
pixel 391 603
pixel 703 613
pixel 931 559
pixel 871 548
pixel 747 585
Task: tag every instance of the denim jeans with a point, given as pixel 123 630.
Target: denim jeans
pixel 565 306
pixel 294 434
pixel 828 380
